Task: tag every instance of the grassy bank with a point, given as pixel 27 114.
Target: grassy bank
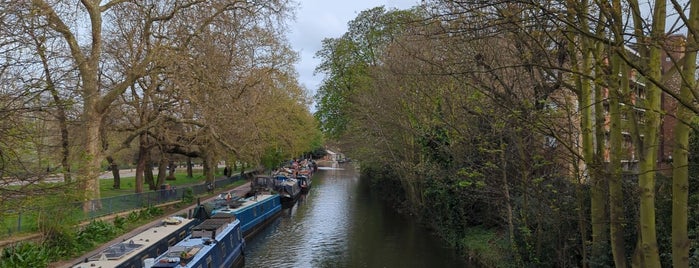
pixel 128 184
pixel 23 220
pixel 62 241
pixel 487 247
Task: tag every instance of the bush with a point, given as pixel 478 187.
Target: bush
pixel 97 232
pixel 119 222
pixel 26 255
pixel 485 246
pixel 188 196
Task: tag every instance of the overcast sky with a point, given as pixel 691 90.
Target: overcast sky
pixel 319 19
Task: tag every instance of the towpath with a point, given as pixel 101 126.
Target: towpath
pixel 239 191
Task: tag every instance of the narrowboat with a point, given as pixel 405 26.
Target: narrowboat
pixel 304 182
pixel 288 189
pixel 216 242
pixel 254 212
pixel 150 243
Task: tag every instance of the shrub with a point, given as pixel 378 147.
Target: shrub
pixel 26 255
pixel 188 196
pixel 97 232
pixel 119 222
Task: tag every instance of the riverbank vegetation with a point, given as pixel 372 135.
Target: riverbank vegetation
pixel 64 243
pixel 94 86
pixel 561 128
pixel 99 85
pixel 64 234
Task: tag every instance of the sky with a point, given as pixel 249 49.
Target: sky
pixel 320 19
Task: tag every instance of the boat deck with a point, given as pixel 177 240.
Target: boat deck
pixel 117 253
pixel 197 246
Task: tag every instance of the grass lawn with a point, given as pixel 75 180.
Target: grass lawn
pixel 128 184
pixel 28 221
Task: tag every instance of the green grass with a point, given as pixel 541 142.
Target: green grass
pixel 30 219
pixel 128 184
pixel 486 246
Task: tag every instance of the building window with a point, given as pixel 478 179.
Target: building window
pixel 550 142
pixel 640 115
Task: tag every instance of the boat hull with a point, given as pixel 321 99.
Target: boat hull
pixel 255 212
pixel 216 242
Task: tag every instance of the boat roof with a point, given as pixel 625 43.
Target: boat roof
pixel 122 251
pixel 248 203
pixel 200 245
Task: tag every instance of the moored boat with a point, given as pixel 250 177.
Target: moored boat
pixel 147 244
pixel 216 242
pixel 288 189
pixel 254 212
pixel 303 172
pixel 304 182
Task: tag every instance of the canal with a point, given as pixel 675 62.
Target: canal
pixel 340 224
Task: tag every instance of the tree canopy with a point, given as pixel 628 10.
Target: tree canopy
pixel 142 82
pixel 548 120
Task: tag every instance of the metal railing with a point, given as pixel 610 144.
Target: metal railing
pixel 26 217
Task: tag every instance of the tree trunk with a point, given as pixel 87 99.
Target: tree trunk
pixel 648 163
pixel 584 103
pixel 90 172
pixel 115 172
pixel 162 170
pixel 618 88
pixel 148 173
pixel 190 173
pixel 616 196
pixel 60 112
pixel 208 167
pixel 171 171
pixel 680 171
pixel 598 185
pixel 508 202
pixel 140 167
pixel 141 163
pixel 680 185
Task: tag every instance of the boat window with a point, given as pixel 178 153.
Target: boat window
pixel 171 242
pixel 223 249
pixel 182 234
pixel 208 262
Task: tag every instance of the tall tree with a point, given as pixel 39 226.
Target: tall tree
pixel 680 165
pixel 649 147
pixel 618 88
pixel 157 17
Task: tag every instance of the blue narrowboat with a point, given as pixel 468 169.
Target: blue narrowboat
pixel 254 212
pixel 216 242
pixel 149 243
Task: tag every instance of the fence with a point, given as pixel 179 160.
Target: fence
pixel 25 219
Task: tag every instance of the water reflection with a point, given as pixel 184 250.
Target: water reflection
pixel 340 224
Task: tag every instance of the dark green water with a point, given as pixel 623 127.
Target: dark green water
pixel 340 224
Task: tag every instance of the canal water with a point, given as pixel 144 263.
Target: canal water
pixel 340 224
